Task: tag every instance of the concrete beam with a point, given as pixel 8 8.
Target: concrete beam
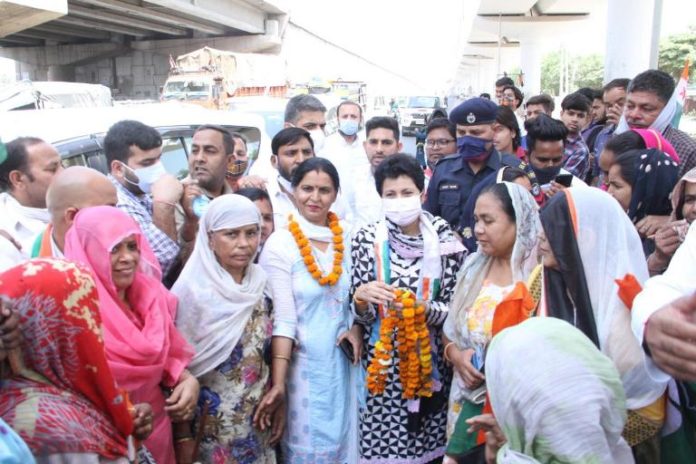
pixel 63 55
pixel 13 40
pixel 487 44
pixel 231 13
pixel 33 33
pixel 73 31
pixel 270 6
pixel 100 26
pixel 547 18
pixel 241 44
pixel 134 11
pixel 18 15
pixel 99 15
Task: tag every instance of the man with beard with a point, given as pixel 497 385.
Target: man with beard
pixel 290 147
pixel 381 141
pixel 212 151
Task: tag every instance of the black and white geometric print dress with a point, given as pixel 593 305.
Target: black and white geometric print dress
pixel 389 433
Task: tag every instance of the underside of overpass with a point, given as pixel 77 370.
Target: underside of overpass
pixel 59 22
pixel 515 35
pixel 126 44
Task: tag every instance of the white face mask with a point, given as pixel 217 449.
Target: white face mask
pixel 318 138
pixel 147 176
pixel 402 211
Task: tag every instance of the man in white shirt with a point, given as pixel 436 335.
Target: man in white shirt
pixel 308 113
pixel 345 148
pixel 25 174
pixel 381 141
pixel 73 189
pixel 290 147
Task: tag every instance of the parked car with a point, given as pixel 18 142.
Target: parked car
pixel 416 113
pixel 78 133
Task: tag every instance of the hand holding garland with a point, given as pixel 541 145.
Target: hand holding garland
pixel 375 292
pixel 406 316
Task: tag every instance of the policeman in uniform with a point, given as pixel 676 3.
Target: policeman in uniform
pixel 456 175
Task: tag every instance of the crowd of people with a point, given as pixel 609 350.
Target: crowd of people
pixel 524 295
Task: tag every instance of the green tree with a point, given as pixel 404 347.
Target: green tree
pixel 583 71
pixel 590 72
pixel 551 73
pixel 675 49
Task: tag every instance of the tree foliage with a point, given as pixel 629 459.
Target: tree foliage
pixel 675 49
pixel 583 71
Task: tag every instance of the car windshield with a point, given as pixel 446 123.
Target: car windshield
pixel 186 86
pixel 422 102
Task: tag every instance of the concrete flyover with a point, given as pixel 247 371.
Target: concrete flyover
pixel 507 34
pixel 126 44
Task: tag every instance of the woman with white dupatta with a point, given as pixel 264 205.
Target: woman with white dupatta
pixel 223 314
pixel 491 293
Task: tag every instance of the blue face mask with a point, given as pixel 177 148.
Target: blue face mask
pixel 348 126
pixel 472 148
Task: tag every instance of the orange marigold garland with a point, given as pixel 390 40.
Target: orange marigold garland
pixel 306 250
pixel 413 348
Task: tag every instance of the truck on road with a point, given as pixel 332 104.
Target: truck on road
pixel 210 77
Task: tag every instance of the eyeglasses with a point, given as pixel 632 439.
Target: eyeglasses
pixel 438 142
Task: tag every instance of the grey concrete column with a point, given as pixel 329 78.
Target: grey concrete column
pixel 531 54
pixel 65 73
pixel 631 37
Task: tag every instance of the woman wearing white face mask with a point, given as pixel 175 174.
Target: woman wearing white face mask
pixel 415 251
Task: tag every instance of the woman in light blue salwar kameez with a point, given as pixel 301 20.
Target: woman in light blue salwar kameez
pixel 321 402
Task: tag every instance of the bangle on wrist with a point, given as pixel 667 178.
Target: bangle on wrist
pixel 447 358
pixel 184 439
pixel 358 301
pixel 280 356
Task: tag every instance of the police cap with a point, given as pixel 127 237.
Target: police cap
pixel 473 112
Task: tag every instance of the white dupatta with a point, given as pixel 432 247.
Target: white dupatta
pixel 214 309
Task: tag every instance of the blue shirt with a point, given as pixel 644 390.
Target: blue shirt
pixel 453 181
pixel 140 209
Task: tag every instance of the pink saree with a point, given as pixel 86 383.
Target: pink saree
pixel 143 354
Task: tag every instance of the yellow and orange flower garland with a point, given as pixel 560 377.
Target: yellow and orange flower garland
pixel 413 338
pixel 306 250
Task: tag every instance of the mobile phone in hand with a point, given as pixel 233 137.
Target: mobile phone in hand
pixel 347 349
pixel 564 179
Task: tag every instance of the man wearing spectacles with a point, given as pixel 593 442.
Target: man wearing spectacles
pixel 440 141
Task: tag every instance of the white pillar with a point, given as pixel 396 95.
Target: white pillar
pixel 531 54
pixel 630 38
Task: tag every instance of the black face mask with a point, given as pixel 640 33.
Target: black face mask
pixel 546 175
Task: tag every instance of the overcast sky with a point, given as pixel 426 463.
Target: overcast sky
pixel 425 42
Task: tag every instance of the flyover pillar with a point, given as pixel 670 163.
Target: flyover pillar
pixel 632 37
pixel 531 54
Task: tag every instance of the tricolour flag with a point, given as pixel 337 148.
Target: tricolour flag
pixel 680 94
